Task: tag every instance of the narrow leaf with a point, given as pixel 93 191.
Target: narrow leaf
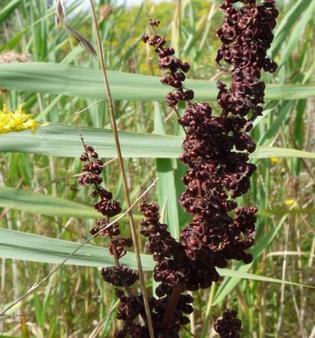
pixel 65 79
pixel 43 204
pixel 166 183
pixel 64 141
pixel 30 247
pixel 7 10
pixel 36 248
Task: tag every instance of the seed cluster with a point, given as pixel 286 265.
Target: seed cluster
pixel 216 175
pixel 216 150
pixel 174 67
pixel 229 326
pixel 118 275
pixel 164 249
pixel 246 36
pixel 131 307
pixel 173 265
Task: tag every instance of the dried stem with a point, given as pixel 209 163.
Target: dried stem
pixel 171 307
pixel 122 171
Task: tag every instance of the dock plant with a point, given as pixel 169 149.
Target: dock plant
pixel 193 148
pixel 216 152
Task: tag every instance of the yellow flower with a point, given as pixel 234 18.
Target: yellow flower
pixel 289 202
pixel 275 160
pixel 16 121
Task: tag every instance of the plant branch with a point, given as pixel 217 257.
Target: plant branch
pixel 171 307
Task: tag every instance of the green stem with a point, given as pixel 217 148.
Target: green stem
pixel 208 310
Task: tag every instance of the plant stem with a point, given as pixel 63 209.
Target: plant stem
pixel 122 171
pixel 209 305
pixel 176 27
pixel 171 307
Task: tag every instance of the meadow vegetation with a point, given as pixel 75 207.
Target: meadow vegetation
pixel 45 214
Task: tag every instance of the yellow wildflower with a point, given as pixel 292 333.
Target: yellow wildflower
pixel 275 160
pixel 289 202
pixel 16 121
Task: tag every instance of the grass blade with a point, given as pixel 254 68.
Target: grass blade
pixel 43 204
pixel 166 184
pixel 64 141
pixel 84 82
pixel 6 11
pixel 288 21
pixel 36 248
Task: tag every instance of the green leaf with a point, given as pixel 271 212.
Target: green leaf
pixel 36 248
pixel 297 31
pixel 167 197
pixel 64 141
pixel 30 247
pixel 84 82
pixel 43 204
pixel 6 11
pixel 279 120
pixel 53 206
pixel 287 22
pixel 239 274
pixel 268 152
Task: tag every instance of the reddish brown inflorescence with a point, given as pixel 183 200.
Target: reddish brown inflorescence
pixel 229 326
pixel 175 68
pixel 173 266
pixel 216 150
pixel 165 251
pixel 118 275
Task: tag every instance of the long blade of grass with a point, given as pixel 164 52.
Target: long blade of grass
pixel 268 152
pixel 64 141
pixel 37 203
pixel 287 22
pixel 43 204
pixel 7 10
pixel 299 28
pixel 166 183
pixel 84 82
pixel 36 248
